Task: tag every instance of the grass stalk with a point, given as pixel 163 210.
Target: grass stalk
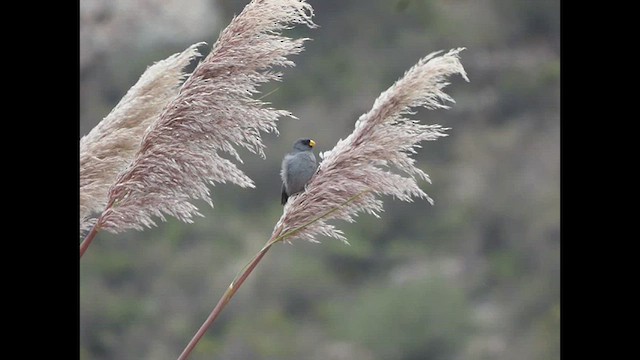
pixel 244 274
pixel 84 245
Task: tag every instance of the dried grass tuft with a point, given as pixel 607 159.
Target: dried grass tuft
pixel 215 112
pixel 375 159
pixel 109 146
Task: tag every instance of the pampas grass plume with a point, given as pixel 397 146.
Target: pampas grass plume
pixel 107 149
pixel 375 159
pixel 183 150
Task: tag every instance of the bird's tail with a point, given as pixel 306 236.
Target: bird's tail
pixel 285 197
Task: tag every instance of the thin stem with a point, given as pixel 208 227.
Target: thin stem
pixel 88 239
pixel 94 230
pixel 269 93
pixel 226 297
pixel 246 271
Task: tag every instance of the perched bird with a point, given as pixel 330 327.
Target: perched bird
pixel 298 167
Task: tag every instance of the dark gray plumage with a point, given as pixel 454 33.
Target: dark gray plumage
pixel 298 167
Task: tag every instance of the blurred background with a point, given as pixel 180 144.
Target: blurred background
pixel 476 276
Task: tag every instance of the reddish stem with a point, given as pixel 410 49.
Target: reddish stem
pixel 87 240
pixel 94 230
pixel 224 300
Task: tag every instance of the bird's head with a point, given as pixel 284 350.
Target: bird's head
pixel 304 144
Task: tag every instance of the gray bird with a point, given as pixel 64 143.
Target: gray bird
pixel 298 167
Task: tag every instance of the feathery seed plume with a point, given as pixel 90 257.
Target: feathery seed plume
pixel 214 112
pixel 358 169
pixel 109 146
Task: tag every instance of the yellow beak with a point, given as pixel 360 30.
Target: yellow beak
pixel 312 143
